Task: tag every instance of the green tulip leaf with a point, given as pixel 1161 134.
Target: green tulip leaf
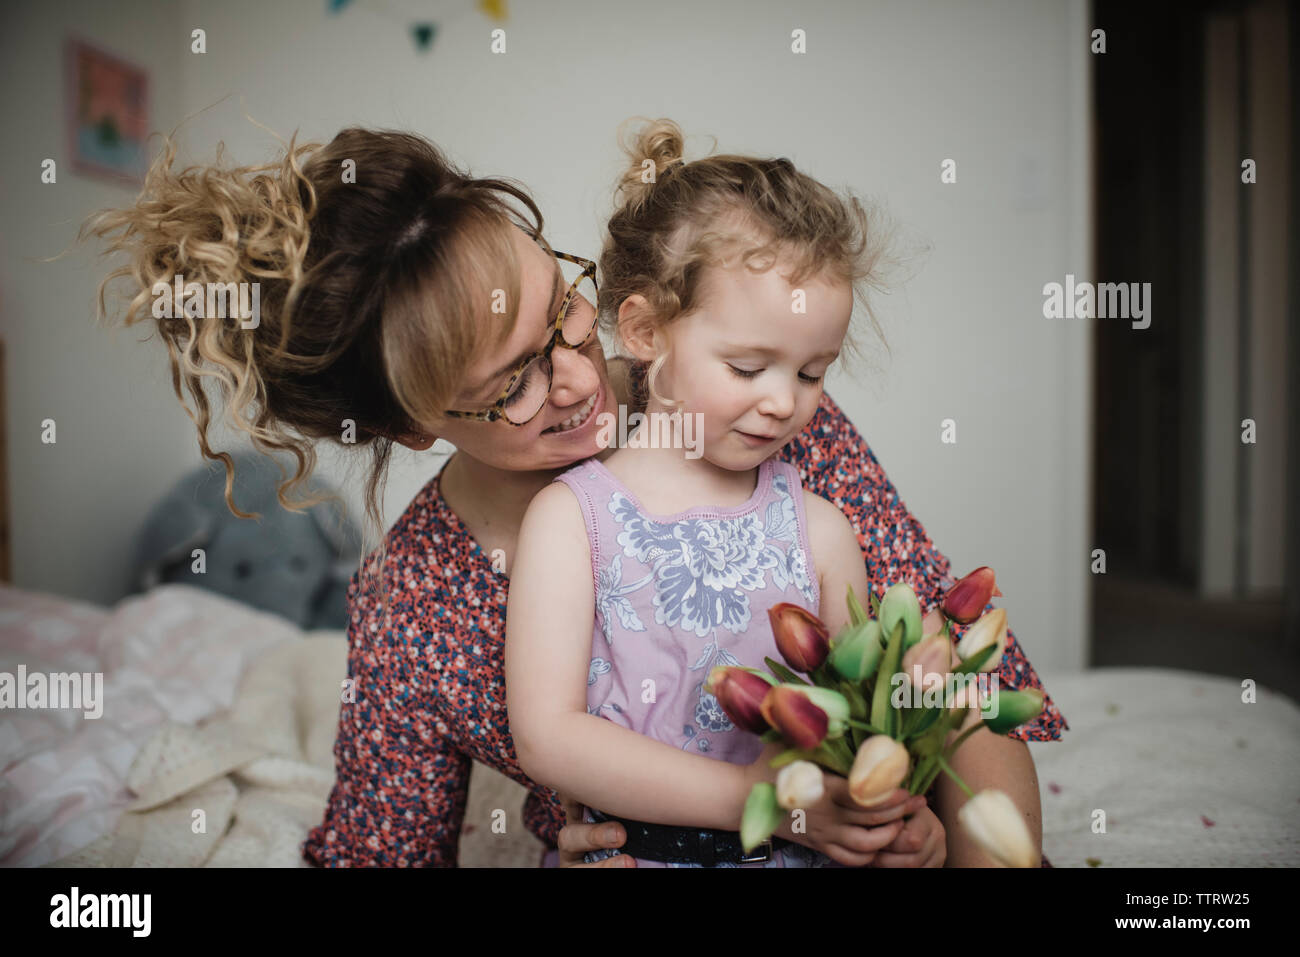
pixel 788 757
pixel 784 673
pixel 929 778
pixel 882 713
pixel 920 770
pixel 931 742
pixel 875 603
pixel 864 726
pixel 906 718
pixel 761 817
pixel 857 703
pixel 856 615
pixel 928 717
pixel 834 755
pixel 976 661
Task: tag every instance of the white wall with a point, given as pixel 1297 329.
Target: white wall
pixel 885 92
pixel 76 504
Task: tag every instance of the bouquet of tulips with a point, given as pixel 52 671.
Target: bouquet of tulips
pixel 877 705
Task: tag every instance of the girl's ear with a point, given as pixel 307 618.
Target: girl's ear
pixel 636 327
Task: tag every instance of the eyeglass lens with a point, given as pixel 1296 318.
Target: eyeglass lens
pixel 530 390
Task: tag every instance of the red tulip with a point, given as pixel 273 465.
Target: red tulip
pixel 740 693
pixel 801 637
pixel 966 600
pixel 801 723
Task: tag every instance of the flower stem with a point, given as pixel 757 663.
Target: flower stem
pixel 948 751
pixel 831 755
pixel 847 754
pixel 921 775
pixel 953 774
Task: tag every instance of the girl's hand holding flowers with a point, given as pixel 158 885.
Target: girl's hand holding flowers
pixel 884 707
pixel 922 843
pixel 830 820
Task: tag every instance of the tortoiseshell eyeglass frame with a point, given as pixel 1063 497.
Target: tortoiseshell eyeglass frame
pixel 497 409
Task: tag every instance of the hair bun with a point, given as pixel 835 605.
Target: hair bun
pixel 659 142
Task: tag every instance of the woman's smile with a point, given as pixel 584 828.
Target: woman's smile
pixel 582 421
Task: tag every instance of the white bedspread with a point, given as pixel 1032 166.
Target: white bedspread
pixel 1186 773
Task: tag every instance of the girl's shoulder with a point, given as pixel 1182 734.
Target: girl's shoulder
pixel 827 523
pixel 564 499
pixel 587 474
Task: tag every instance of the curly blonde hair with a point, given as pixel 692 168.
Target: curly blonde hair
pixel 373 290
pixel 674 218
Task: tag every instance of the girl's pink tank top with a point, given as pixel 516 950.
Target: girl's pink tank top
pixel 678 595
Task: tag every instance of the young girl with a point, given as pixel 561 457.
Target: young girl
pixel 638 574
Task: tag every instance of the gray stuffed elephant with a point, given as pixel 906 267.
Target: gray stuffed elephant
pixel 295 564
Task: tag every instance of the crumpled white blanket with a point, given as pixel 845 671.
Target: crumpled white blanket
pixel 170 659
pixel 243 788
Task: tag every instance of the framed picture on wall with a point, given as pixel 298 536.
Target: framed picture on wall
pixel 108 113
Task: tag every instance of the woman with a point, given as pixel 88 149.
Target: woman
pixel 400 300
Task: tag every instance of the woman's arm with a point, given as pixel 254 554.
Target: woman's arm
pixel 987 760
pixel 392 805
pixel 549 623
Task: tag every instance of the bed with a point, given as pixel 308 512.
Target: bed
pixel 215 749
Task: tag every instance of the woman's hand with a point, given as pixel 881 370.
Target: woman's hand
pixel 577 837
pixel 922 843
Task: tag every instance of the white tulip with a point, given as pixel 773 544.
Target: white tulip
pixel 880 765
pixel 799 785
pixel 989 630
pixel 994 823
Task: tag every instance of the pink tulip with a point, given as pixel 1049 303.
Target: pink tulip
pixel 966 600
pixel 801 723
pixel 933 657
pixel 740 694
pixel 801 637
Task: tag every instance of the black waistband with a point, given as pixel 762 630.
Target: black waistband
pixel 688 845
